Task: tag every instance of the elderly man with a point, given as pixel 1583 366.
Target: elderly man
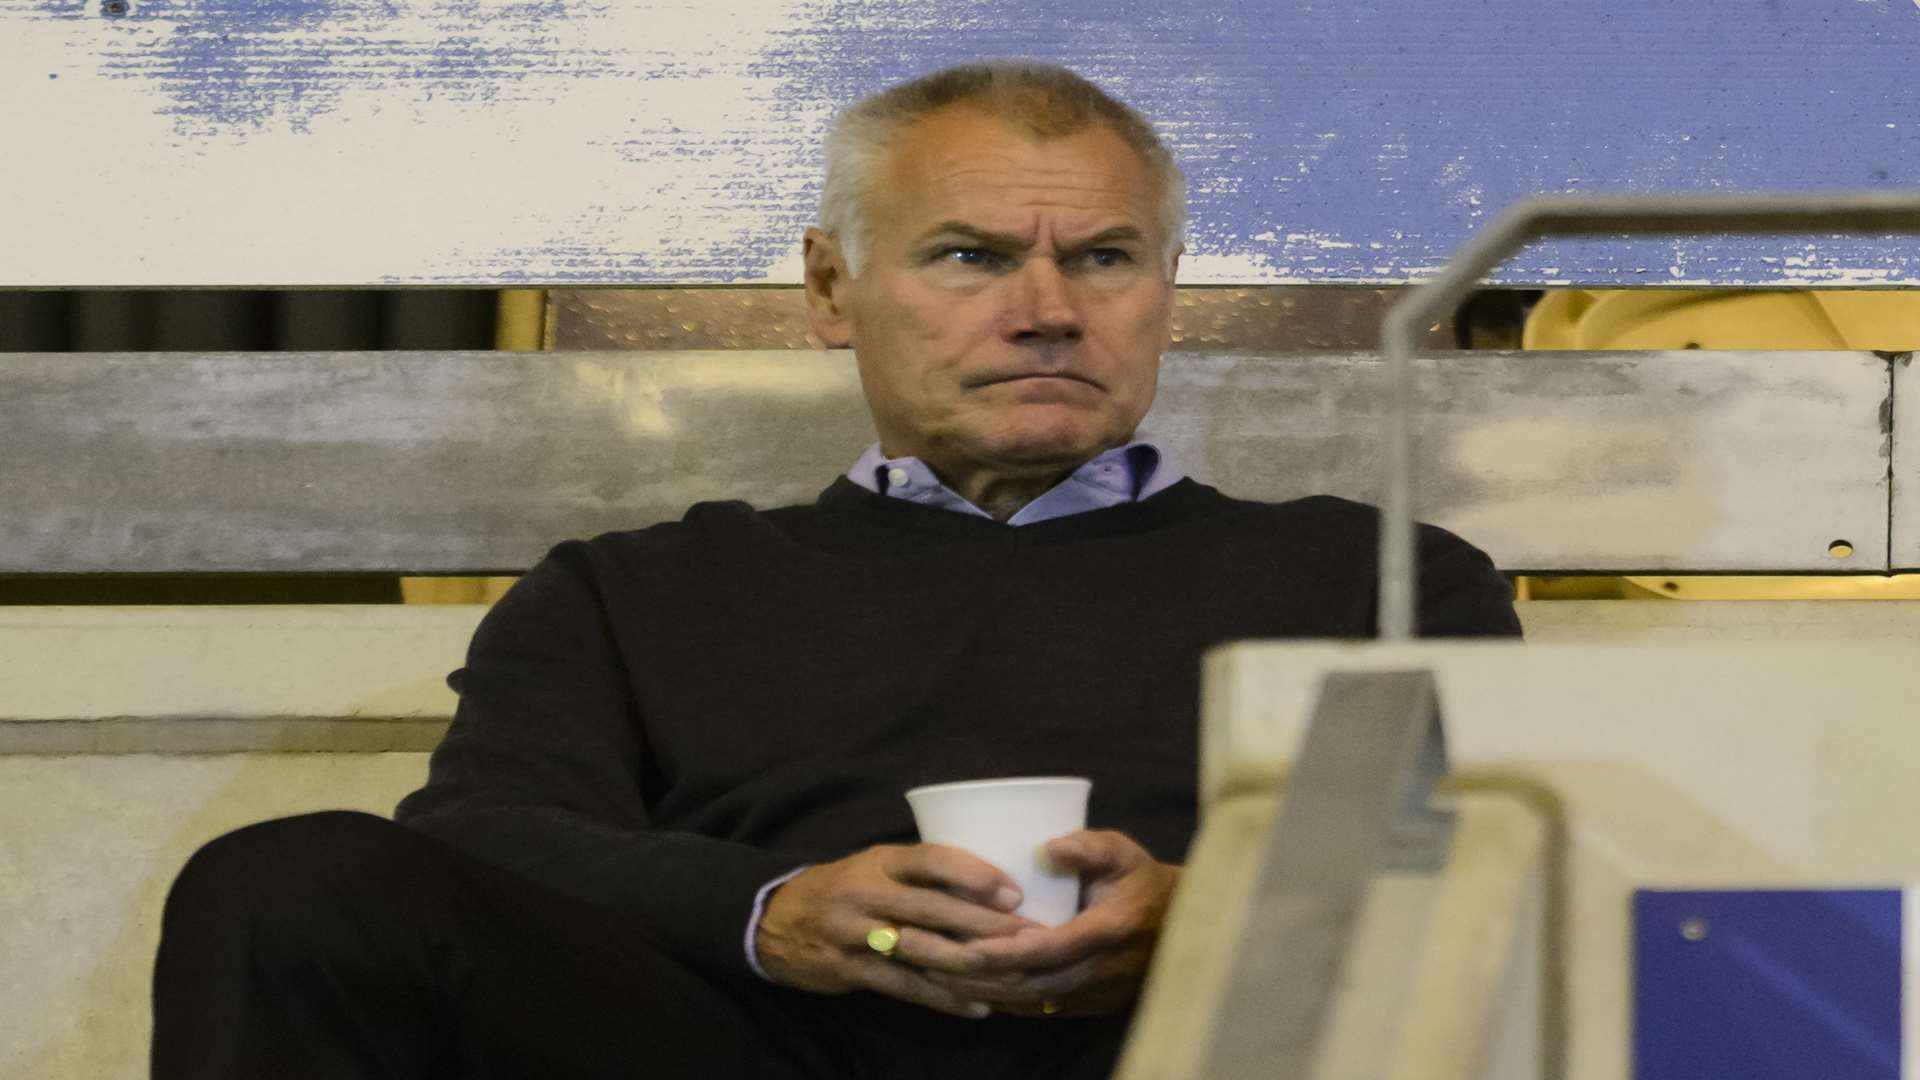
pixel 667 819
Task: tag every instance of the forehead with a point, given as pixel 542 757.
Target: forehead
pixel 964 163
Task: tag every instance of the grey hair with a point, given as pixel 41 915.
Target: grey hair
pixel 1048 100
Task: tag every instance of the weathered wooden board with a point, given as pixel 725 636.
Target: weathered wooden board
pixel 478 462
pixel 348 142
pixel 1903 532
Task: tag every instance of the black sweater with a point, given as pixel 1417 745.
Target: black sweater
pixel 663 720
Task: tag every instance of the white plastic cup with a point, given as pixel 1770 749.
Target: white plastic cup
pixel 1007 823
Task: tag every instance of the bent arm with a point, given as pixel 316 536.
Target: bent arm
pixel 1461 593
pixel 545 772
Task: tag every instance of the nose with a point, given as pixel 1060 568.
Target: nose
pixel 1047 311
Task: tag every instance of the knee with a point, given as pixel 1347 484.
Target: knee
pixel 313 892
pixel 290 862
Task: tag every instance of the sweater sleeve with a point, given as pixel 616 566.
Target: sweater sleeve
pixel 544 772
pixel 1461 593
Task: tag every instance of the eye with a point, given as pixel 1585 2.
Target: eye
pixel 1108 257
pixel 967 256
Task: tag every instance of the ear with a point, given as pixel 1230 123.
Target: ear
pixel 827 281
pixel 1173 271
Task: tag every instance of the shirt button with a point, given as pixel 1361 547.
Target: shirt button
pixel 898 477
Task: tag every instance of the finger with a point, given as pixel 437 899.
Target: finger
pixel 946 914
pixel 1033 990
pixel 1096 851
pixel 885 902
pixel 953 870
pixel 1093 931
pixel 899 981
pixel 1102 997
pixel 919 944
pixel 925 949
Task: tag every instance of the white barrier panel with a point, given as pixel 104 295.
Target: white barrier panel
pixel 1667 766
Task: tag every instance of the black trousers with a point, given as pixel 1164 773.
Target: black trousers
pixel 341 944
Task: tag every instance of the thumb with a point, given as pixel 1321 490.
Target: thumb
pixel 1093 852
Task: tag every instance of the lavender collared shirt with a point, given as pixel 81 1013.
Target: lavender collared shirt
pixel 1123 474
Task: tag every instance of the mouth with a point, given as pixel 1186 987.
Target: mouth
pixel 1037 376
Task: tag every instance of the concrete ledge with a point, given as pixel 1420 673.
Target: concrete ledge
pixel 370 679
pixel 221 735
pixel 194 663
pixel 130 736
pixel 1598 621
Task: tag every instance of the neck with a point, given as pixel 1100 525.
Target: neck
pixel 1000 488
pixel 1002 495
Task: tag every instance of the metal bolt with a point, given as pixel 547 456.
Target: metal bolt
pixel 1694 929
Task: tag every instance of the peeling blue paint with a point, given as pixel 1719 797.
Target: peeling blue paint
pixel 1398 129
pixel 235 66
pixel 1329 140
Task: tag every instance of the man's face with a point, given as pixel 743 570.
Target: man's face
pixel 1014 302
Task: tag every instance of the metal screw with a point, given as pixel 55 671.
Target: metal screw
pixel 1694 929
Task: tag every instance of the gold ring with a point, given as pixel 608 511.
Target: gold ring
pixel 1049 1008
pixel 883 939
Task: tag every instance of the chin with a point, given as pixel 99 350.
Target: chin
pixel 1047 444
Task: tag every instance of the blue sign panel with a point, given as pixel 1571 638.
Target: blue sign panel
pixel 1787 984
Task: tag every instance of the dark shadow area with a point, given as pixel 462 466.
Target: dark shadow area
pixel 18 590
pixel 211 320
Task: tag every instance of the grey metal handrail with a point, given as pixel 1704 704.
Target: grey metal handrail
pixel 1533 219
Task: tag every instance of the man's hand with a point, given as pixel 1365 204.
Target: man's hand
pixel 813 932
pixel 1094 963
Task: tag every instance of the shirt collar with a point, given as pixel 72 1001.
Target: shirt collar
pixel 1137 470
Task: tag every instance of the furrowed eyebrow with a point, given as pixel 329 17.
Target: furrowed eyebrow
pixel 974 232
pixel 1108 236
pixel 1009 242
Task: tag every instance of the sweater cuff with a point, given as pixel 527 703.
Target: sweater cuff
pixel 753 920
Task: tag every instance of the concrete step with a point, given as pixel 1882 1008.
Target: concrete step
pixel 130 736
pixel 91 844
